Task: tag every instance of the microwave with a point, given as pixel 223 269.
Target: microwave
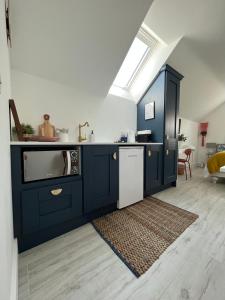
pixel 45 164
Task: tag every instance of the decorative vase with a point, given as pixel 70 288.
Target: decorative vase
pixel 63 137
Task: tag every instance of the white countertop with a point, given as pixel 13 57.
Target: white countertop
pixel 73 143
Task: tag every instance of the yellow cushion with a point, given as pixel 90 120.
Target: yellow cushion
pixel 215 162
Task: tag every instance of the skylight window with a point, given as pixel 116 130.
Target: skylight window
pixel 141 49
pixel 131 63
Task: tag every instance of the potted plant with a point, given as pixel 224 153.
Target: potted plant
pixel 181 139
pixel 27 131
pixel 63 134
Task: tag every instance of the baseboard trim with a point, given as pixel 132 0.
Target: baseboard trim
pixel 14 277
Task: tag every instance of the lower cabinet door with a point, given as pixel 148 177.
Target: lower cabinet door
pixel 51 205
pixel 170 161
pixel 100 176
pixel 153 168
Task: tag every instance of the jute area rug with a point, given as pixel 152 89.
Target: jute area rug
pixel 140 233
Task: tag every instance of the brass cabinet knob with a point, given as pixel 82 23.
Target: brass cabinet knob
pixel 56 192
pixel 149 153
pixel 114 156
pixel 167 152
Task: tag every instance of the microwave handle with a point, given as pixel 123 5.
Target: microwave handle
pixel 67 162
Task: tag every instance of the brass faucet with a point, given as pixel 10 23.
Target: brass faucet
pixel 81 138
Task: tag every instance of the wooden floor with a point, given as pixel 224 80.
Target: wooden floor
pixel 80 265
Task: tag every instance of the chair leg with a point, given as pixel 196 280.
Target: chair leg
pixel 190 170
pixel 185 168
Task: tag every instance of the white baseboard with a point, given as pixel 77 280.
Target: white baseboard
pixel 14 278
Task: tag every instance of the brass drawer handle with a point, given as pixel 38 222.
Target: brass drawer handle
pixel 115 156
pixel 149 153
pixel 56 192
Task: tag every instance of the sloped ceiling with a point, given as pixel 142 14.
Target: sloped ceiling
pixel 200 54
pixel 81 43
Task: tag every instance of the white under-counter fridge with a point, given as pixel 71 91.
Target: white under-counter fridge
pixel 131 175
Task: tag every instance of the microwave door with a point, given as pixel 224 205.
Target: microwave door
pixel 46 164
pixel 39 165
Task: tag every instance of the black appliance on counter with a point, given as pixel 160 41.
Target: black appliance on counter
pixel 143 136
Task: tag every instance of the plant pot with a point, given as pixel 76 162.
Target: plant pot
pixel 27 135
pixel 180 169
pixel 63 137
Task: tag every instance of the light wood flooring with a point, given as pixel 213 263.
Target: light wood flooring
pixel 80 265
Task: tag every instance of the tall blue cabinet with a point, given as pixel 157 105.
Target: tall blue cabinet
pixel 165 93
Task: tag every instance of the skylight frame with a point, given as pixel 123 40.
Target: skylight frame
pixel 152 43
pixel 131 63
pixel 138 67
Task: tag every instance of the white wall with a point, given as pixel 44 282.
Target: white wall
pixel 7 244
pixel 35 96
pixel 216 129
pixel 190 130
pixel 201 91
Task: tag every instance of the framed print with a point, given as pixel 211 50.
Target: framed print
pixel 150 111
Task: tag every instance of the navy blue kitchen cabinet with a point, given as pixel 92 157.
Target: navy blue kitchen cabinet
pixel 172 99
pixel 153 168
pixel 43 209
pixel 51 205
pixel 100 176
pixel 164 91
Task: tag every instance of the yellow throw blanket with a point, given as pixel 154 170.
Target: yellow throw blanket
pixel 215 162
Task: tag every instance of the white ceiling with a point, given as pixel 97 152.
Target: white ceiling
pixel 200 55
pixel 81 43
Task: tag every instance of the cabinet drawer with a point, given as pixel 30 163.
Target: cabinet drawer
pixel 50 192
pixel 53 205
pixel 48 206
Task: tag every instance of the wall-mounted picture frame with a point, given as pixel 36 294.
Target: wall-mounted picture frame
pixel 150 110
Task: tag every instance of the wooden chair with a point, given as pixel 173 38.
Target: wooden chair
pixel 186 161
